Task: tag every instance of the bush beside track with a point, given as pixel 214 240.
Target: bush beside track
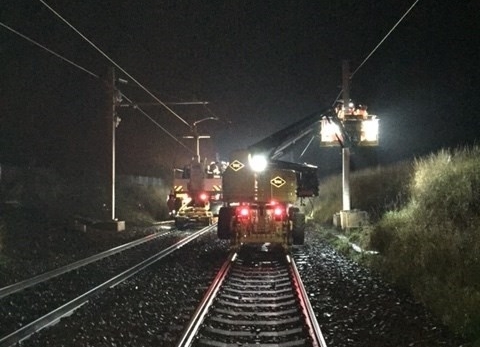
pixel 426 227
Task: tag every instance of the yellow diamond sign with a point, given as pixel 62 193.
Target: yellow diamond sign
pixel 236 165
pixel 277 182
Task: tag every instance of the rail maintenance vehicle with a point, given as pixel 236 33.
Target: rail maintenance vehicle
pixel 196 194
pixel 262 195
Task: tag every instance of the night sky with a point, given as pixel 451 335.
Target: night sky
pixel 261 65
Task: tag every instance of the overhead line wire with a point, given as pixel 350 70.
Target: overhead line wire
pixel 156 123
pixel 95 76
pixel 377 46
pixel 48 50
pixel 115 64
pixel 386 36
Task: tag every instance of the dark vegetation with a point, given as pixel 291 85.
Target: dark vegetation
pixel 41 211
pixel 61 198
pixel 425 226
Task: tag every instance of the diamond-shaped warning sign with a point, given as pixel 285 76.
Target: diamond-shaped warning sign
pixel 277 182
pixel 236 165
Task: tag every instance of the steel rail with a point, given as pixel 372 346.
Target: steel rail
pixel 294 283
pixel 202 309
pixel 68 308
pixel 310 318
pixel 16 287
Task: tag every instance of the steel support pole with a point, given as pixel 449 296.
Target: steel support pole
pixel 346 178
pixel 111 117
pixel 346 150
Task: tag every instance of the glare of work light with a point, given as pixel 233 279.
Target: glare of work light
pixel 370 129
pixel 258 163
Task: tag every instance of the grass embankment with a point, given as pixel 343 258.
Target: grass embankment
pixel 59 198
pixel 426 226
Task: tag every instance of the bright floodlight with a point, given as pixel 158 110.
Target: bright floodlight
pixel 370 130
pixel 330 131
pixel 258 162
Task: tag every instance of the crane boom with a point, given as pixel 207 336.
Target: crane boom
pixel 273 145
pixel 265 204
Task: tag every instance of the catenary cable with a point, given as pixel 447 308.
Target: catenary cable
pixel 156 123
pixel 95 76
pixel 377 46
pixel 382 40
pixel 48 50
pixel 114 63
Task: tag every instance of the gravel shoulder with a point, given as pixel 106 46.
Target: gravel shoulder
pixel 354 307
pixel 29 246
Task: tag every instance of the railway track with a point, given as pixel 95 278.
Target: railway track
pixel 155 307
pixel 256 299
pixel 49 289
pixel 21 285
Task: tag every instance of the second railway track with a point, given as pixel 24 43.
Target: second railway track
pixel 56 294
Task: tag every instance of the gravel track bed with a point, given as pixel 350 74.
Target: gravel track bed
pixel 150 309
pixel 354 308
pixel 33 250
pixel 25 306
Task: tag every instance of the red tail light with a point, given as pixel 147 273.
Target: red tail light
pixel 244 212
pixel 278 213
pixel 203 197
